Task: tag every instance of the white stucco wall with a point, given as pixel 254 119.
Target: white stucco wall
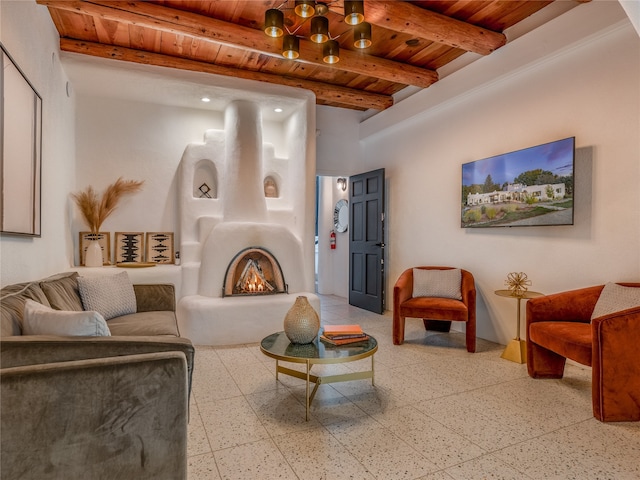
pixel 138 141
pixel 337 137
pixel 632 9
pixel 423 141
pixel 592 92
pixel 333 265
pixel 338 155
pixel 141 141
pixel 35 50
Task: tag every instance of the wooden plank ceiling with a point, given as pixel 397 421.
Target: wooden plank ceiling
pixel 411 41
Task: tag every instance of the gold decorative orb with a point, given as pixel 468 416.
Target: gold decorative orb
pixel 517 283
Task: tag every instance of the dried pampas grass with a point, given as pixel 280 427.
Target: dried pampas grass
pixel 95 211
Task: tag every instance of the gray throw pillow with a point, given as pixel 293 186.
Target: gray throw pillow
pixel 110 295
pixel 41 320
pixel 62 291
pixel 437 283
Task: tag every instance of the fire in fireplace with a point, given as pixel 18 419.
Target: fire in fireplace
pixel 253 271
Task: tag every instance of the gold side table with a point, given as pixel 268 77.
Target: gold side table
pixel 516 349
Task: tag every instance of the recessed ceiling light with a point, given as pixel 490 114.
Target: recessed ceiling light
pixel 277 110
pixel 205 99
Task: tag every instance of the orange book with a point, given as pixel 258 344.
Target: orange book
pixel 342 330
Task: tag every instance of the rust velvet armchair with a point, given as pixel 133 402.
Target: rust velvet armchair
pixel 439 310
pixel 565 325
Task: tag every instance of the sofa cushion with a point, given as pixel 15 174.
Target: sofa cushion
pixel 111 295
pixel 41 320
pixel 437 283
pixel 569 339
pixel 615 298
pixel 12 299
pixel 62 291
pixel 435 308
pixel 145 324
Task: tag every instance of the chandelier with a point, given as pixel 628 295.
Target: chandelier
pixel 274 26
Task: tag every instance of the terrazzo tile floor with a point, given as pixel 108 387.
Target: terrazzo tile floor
pixel 436 412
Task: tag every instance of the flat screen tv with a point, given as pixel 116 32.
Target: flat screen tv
pixel 528 187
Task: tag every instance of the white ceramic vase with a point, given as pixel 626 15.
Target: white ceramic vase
pixel 301 323
pixel 93 254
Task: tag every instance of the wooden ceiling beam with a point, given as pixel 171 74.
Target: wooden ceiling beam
pixel 143 14
pixel 335 95
pixel 418 22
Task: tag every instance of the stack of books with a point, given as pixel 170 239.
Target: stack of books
pixel 343 334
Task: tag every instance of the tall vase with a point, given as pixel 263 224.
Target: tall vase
pixel 93 254
pixel 301 323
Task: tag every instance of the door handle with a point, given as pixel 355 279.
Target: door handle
pixel 380 245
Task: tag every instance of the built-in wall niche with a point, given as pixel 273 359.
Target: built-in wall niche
pixel 205 180
pixel 271 189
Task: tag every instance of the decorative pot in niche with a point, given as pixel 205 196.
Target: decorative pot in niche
pixel 93 254
pixel 301 323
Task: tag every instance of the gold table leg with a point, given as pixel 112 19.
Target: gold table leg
pixel 309 378
pixel 373 381
pixel 516 350
pixel 307 402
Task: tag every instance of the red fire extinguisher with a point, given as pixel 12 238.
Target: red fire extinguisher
pixel 332 240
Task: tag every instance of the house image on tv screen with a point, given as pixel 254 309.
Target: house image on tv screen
pixel 519 193
pixel 530 187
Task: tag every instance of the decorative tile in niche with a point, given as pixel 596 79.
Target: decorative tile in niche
pixel 205 191
pixel 160 247
pixel 129 247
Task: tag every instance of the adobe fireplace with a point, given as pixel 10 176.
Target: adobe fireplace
pixel 254 271
pixel 230 241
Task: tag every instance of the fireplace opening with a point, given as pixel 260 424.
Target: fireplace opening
pixel 253 271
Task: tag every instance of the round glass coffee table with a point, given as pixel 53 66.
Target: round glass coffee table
pixel 278 346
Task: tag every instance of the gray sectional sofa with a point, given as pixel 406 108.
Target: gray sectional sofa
pixel 93 406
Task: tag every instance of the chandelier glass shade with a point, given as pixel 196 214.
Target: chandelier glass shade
pixel 305 8
pixel 274 23
pixel 331 52
pixel 353 12
pixel 362 35
pixel 291 47
pixel 275 27
pixel 319 29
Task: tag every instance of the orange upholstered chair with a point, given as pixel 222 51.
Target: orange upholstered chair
pixel 578 325
pixel 439 310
